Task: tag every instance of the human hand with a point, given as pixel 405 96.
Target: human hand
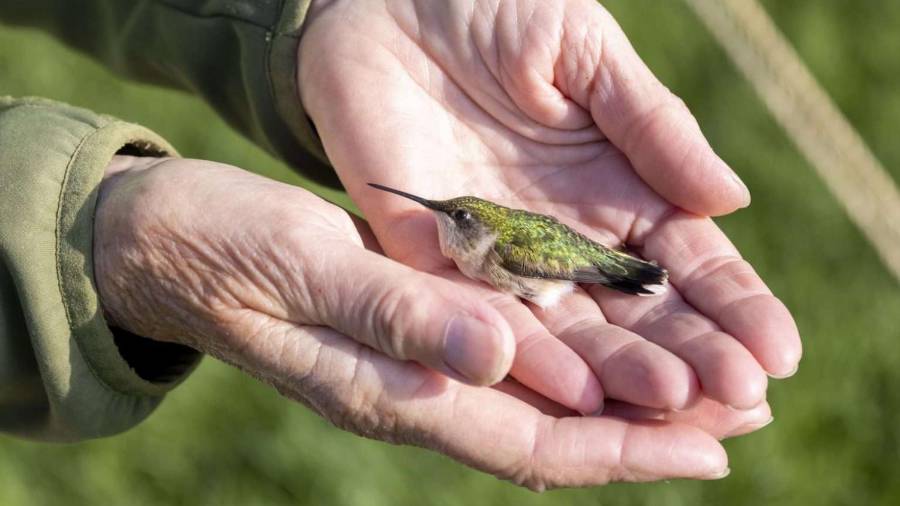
pixel 545 106
pixel 285 286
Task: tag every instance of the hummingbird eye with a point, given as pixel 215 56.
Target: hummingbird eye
pixel 460 215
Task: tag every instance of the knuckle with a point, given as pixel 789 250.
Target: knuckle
pixel 529 471
pixel 386 313
pixel 290 234
pixel 648 122
pixel 365 411
pixel 677 103
pixel 349 402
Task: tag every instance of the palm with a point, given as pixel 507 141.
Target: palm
pixel 454 98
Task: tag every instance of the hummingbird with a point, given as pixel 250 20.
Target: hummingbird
pixel 531 255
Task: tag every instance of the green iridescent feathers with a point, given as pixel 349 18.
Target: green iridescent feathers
pixel 539 246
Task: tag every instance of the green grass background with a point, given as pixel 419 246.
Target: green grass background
pixel 223 438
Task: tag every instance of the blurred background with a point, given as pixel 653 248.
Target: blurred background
pixel 224 438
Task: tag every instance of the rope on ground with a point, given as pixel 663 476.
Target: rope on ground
pixel 810 118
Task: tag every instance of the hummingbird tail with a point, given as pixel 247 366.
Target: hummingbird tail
pixel 636 276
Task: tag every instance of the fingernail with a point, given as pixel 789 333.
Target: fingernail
pixel 748 428
pixel 599 411
pixel 787 374
pixel 746 191
pixel 469 349
pixel 767 422
pixel 720 474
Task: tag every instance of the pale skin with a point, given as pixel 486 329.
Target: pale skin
pixel 296 292
pixel 544 105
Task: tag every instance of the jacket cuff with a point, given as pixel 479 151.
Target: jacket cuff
pixel 283 68
pixel 95 380
pixel 283 99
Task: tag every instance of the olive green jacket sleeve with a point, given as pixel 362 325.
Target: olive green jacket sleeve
pixel 240 55
pixel 64 374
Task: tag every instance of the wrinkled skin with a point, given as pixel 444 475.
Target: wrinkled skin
pixel 544 105
pixel 292 290
pixel 541 105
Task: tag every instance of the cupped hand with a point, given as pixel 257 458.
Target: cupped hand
pixel 287 287
pixel 544 105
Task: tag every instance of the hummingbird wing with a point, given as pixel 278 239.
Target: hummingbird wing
pixel 546 248
pixel 539 246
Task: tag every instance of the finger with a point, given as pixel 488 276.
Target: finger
pixel 629 367
pixel 706 414
pixel 542 452
pixel 546 406
pixel 374 395
pixel 711 275
pixel 546 365
pixel 645 120
pixel 404 313
pixel 727 371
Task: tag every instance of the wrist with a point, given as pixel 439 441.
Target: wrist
pixel 108 236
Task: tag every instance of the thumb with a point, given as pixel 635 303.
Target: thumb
pixel 653 127
pixel 411 315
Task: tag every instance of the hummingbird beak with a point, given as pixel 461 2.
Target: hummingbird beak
pixel 430 204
